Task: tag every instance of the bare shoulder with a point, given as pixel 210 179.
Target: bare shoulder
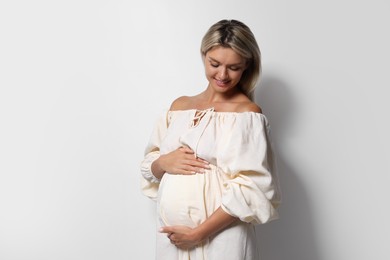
pixel 248 107
pixel 181 103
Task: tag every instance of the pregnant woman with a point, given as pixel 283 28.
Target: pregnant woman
pixel 209 162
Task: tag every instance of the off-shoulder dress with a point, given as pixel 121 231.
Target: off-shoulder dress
pixel 242 180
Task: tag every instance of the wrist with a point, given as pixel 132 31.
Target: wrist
pixel 198 235
pixel 156 168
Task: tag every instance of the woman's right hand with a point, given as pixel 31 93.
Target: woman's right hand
pixel 180 161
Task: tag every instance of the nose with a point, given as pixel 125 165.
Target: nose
pixel 223 74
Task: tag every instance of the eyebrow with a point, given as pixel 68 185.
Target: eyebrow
pixel 236 64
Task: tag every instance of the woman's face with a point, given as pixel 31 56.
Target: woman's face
pixel 224 68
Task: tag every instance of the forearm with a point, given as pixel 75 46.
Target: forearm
pixel 218 221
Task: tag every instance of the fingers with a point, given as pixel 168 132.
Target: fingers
pixel 186 149
pixel 170 234
pixel 188 169
pixel 183 161
pixel 174 241
pixel 198 165
pixel 190 152
pixel 202 163
pixel 170 237
pixel 180 236
pixel 167 229
pixel 190 166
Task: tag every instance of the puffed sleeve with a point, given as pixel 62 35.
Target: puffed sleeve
pixel 251 190
pixel 149 183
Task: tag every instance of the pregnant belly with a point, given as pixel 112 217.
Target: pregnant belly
pixel 181 200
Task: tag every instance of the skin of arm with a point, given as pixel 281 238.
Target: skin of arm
pixel 179 161
pixel 185 237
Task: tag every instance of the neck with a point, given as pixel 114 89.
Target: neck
pixel 211 96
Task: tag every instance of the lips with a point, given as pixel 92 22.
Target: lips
pixel 221 83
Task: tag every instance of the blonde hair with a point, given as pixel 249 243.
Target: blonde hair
pixel 237 36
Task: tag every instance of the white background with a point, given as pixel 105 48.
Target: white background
pixel 82 83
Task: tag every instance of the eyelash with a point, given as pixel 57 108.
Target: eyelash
pixel 216 66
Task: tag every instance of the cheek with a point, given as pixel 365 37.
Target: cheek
pixel 237 75
pixel 210 71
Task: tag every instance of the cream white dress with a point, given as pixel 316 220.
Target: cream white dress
pixel 242 180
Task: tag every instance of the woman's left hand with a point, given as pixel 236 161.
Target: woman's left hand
pixel 182 237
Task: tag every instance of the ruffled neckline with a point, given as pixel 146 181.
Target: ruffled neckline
pixel 212 110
